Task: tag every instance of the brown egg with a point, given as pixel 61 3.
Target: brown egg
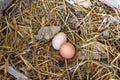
pixel 67 50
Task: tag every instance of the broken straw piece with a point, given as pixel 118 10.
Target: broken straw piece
pixel 114 20
pixel 16 74
pixel 84 3
pixel 4 4
pixel 112 3
pixel 47 32
pixel 70 2
pixel 106 33
pixel 97 52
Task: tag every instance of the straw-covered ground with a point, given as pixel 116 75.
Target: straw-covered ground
pixel 94 31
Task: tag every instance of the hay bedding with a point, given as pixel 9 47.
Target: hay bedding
pixel 94 31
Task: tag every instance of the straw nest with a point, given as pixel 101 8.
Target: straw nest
pixel 97 50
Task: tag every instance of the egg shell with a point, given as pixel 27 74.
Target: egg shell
pixel 67 50
pixel 58 40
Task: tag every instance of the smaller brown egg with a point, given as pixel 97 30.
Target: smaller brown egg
pixel 67 50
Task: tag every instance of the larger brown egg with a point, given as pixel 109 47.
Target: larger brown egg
pixel 67 50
